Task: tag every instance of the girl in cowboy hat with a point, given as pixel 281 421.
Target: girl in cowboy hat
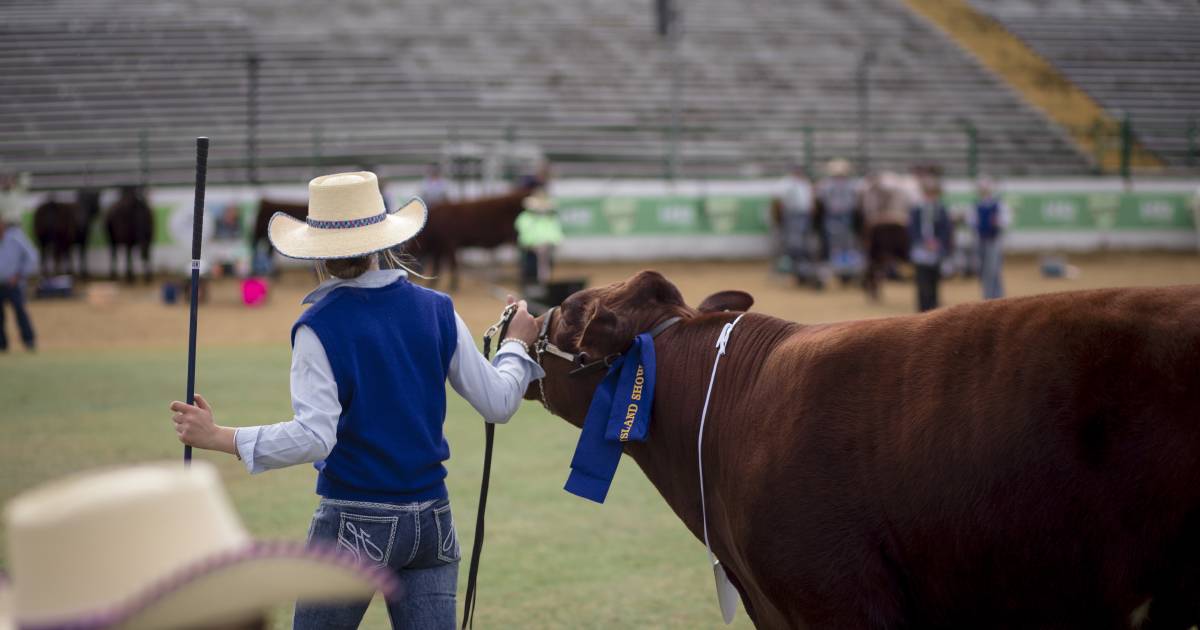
pixel 370 359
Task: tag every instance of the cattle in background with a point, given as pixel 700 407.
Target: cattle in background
pixel 486 223
pixel 130 224
pixel 1029 462
pixel 262 220
pixel 89 207
pixel 61 229
pixel 54 229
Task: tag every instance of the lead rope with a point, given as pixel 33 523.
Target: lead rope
pixel 499 330
pixel 723 585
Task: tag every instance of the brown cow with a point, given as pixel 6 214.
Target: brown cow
pixel 262 218
pixel 486 222
pixel 1019 463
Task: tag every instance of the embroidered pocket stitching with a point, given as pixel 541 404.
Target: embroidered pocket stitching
pixel 416 538
pixel 359 542
pixel 446 540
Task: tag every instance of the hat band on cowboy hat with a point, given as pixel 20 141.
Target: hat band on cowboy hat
pixel 346 223
pixel 346 219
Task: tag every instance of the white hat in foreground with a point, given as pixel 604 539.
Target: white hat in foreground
pixel 156 546
pixel 346 218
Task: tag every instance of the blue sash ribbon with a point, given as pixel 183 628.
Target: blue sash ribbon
pixel 619 412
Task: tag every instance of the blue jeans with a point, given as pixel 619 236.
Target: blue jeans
pixel 416 541
pixel 15 295
pixel 991 260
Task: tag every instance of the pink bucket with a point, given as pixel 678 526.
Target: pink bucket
pixel 254 291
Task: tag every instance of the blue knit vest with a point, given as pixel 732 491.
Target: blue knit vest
pixel 390 349
pixel 986 216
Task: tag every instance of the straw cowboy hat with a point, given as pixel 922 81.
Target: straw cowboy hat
pixel 346 218
pixel 838 167
pixel 156 546
pixel 538 202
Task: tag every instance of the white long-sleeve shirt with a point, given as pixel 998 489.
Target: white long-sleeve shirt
pixel 493 389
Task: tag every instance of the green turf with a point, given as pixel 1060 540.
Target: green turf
pixel 551 561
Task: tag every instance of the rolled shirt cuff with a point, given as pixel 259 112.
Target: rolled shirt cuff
pixel 245 438
pixel 532 369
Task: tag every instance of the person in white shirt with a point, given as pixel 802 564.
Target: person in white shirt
pixel 370 360
pixel 796 223
pixel 435 190
pixel 837 196
pixel 991 220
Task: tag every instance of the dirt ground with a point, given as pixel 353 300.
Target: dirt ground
pixel 136 316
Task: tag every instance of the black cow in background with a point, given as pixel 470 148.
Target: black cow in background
pixel 61 229
pixel 130 224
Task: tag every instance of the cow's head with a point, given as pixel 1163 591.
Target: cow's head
pixel 603 321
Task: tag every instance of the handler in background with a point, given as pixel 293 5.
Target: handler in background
pixel 18 259
pixel 929 233
pixel 796 206
pixel 837 199
pixel 539 233
pixel 370 359
pixel 992 218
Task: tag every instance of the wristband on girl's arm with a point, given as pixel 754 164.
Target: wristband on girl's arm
pixel 524 345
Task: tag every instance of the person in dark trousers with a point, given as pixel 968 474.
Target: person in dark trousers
pixel 18 259
pixel 929 232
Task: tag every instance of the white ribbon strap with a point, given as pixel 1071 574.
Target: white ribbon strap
pixel 727 595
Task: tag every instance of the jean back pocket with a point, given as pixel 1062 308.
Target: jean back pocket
pixel 447 540
pixel 369 538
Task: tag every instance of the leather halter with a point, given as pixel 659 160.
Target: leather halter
pixel 580 359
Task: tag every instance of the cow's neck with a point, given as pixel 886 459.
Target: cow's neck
pixel 685 361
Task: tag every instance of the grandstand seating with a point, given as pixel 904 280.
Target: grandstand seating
pixel 86 85
pixel 1135 57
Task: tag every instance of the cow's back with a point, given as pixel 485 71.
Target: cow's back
pixel 995 461
pixel 486 222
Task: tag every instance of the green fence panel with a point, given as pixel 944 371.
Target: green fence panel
pixel 667 215
pixel 1151 211
pixel 1065 211
pixel 581 216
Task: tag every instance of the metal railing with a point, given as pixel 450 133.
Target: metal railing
pixel 962 147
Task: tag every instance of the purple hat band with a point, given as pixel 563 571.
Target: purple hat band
pixel 347 223
pixel 383 579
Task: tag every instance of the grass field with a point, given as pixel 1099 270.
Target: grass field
pixel 551 561
pixel 97 394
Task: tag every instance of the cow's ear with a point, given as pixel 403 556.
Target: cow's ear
pixel 727 301
pixel 601 334
pixel 652 286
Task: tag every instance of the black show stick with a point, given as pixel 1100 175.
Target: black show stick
pixel 197 234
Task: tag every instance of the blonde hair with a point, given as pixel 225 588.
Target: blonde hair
pixel 350 268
